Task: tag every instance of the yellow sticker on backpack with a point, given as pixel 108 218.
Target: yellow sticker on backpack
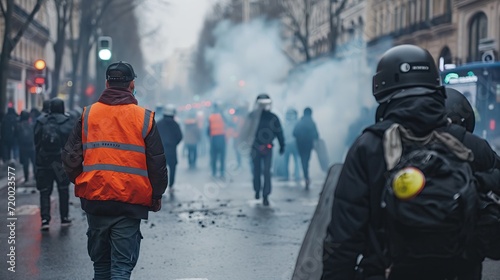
pixel 408 183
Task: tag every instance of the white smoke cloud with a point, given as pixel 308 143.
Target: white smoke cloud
pixel 335 90
pixel 248 54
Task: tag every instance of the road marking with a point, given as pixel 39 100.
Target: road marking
pixel 192 279
pixel 27 210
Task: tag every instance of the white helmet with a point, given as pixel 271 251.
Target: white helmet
pixel 169 110
pixel 264 101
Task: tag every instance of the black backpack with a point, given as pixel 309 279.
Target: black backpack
pixel 429 201
pixel 51 142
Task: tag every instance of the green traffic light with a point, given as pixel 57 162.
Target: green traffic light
pixel 105 54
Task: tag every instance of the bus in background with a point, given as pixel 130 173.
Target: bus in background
pixel 479 82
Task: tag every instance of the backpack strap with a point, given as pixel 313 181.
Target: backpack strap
pixel 379 128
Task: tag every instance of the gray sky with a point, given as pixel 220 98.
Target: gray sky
pixel 177 24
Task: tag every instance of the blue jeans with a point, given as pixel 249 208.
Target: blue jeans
pixel 218 154
pixel 262 166
pixel 291 150
pixel 113 245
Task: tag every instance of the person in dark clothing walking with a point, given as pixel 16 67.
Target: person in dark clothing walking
pixel 46 107
pixel 171 136
pixel 26 138
pixel 192 136
pixel 34 114
pixel 269 127
pixel 291 150
pixel 408 89
pixel 305 133
pixel 459 111
pixel 51 132
pixel 9 139
pixel 115 158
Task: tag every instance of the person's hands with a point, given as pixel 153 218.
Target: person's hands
pixel 282 150
pixel 156 205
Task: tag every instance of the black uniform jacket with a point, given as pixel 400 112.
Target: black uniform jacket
pixel 356 205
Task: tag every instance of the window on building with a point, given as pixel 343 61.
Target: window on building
pixel 418 12
pixel 436 8
pixel 428 9
pixel 478 29
pixel 412 12
pixel 447 6
pixel 444 58
pixel 396 19
pixel 402 19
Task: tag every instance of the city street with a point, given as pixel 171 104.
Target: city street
pixel 207 229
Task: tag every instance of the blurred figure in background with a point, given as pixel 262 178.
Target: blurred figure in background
pixel 217 133
pixel 9 140
pixel 233 134
pixel 305 133
pixel 291 119
pixel 192 136
pixel 26 138
pixel 356 128
pixel 51 133
pixel 34 114
pixel 45 107
pixel 158 112
pixel 269 127
pixel 171 136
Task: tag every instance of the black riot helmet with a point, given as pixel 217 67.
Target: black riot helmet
pixel 459 110
pixel 402 67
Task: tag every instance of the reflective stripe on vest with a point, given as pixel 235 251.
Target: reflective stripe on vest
pixel 216 125
pixel 113 145
pixel 117 168
pixel 114 165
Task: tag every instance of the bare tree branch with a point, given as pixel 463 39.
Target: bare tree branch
pixel 27 23
pixel 3 10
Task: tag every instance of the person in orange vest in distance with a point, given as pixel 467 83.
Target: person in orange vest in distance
pixel 217 134
pixel 115 158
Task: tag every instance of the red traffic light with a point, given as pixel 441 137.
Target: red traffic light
pixel 40 80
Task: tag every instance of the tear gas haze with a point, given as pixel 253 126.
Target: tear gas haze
pixel 336 89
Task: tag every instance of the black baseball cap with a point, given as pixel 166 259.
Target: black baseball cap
pixel 120 72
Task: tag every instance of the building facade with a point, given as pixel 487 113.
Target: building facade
pixel 30 48
pixel 454 32
pixel 350 38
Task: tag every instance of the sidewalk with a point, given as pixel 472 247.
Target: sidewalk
pixel 4 169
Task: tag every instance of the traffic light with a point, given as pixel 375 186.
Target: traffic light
pixel 104 44
pixel 39 81
pixel 40 73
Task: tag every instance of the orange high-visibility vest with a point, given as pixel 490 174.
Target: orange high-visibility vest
pixel 216 125
pixel 114 154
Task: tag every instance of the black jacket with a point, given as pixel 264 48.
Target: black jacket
pixel 305 133
pixel 356 205
pixel 171 136
pixel 24 133
pixel 8 126
pixel 72 157
pixel 269 128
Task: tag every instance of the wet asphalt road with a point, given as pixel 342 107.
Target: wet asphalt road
pixel 207 229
